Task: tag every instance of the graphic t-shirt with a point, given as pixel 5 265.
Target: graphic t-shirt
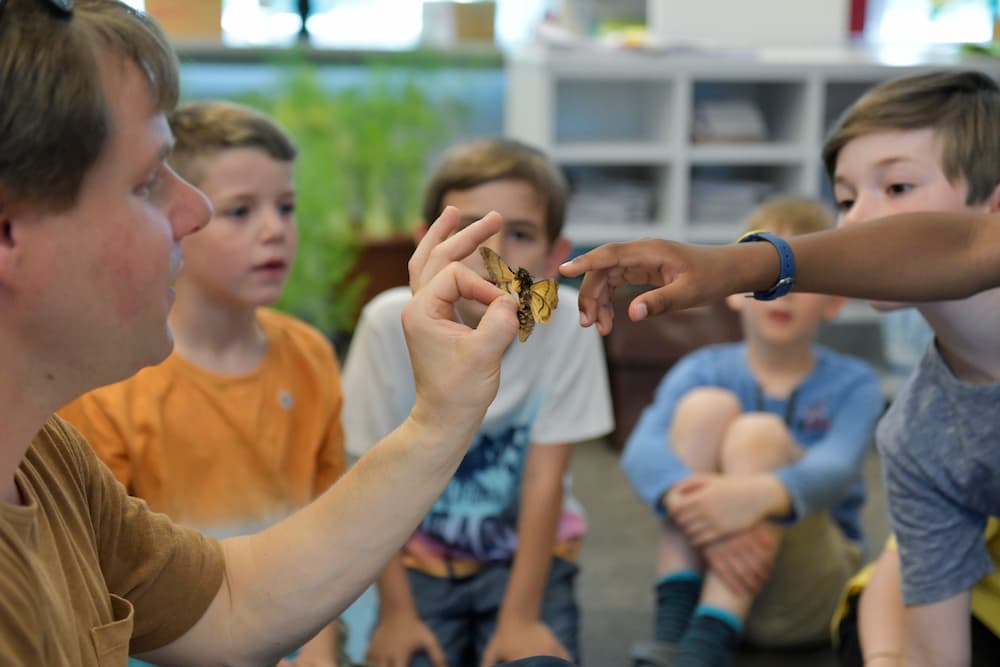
pixel 553 390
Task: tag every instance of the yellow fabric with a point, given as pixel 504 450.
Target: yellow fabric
pixel 86 568
pixel 459 568
pixel 985 594
pixel 227 454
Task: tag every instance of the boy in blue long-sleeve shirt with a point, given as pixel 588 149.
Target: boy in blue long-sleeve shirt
pixel 752 454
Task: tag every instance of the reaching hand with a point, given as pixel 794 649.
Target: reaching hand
pixel 514 640
pixel 683 275
pixel 456 369
pixel 743 561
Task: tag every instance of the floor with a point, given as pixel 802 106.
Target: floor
pixel 617 563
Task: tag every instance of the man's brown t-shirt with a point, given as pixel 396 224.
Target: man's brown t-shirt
pixel 85 569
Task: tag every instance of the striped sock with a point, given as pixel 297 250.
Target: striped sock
pixel 676 598
pixel 710 640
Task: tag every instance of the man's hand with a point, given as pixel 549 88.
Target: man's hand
pixel 743 561
pixel 709 507
pixel 440 245
pixel 456 369
pixel 514 640
pixel 400 636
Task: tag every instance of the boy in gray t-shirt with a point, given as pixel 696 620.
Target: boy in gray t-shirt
pixel 929 144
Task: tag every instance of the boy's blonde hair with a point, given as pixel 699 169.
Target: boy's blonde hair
pixel 791 216
pixel 202 129
pixel 54 118
pixel 472 164
pixel 962 107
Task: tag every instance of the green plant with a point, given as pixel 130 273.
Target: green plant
pixel 359 175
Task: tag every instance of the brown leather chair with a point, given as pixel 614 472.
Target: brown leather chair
pixel 640 353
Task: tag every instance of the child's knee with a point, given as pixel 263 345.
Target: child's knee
pixel 706 408
pixel 757 441
pixel 700 422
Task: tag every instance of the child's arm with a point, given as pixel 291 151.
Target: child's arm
pixel 400 632
pixel 320 651
pixel 830 467
pixel 937 635
pixel 910 257
pixel 881 613
pixel 520 631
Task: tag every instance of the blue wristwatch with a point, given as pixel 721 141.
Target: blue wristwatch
pixel 786 274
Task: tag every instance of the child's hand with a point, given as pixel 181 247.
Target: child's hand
pixel 686 276
pixel 514 640
pixel 710 507
pixel 399 637
pixel 743 561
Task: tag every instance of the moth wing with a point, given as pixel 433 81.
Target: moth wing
pixel 544 299
pixel 501 274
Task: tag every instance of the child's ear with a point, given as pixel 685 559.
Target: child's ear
pixel 420 231
pixel 736 302
pixel 833 307
pixel 558 253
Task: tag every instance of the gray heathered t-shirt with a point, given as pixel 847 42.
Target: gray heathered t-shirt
pixel 940 448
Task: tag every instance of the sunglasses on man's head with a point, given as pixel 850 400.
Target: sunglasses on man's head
pixel 62 8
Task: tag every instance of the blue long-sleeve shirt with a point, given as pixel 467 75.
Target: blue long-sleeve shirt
pixel 833 415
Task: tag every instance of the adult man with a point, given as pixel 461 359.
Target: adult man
pixel 90 222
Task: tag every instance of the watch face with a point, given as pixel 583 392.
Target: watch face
pixel 64 6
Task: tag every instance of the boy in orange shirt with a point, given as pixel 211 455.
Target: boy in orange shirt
pixel 240 425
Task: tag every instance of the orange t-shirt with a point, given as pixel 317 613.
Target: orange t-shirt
pixel 227 454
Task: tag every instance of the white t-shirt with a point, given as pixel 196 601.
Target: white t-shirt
pixel 553 390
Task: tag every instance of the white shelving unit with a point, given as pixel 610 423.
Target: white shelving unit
pixel 627 117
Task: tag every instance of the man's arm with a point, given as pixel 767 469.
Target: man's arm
pixel 283 584
pixel 910 257
pixel 520 631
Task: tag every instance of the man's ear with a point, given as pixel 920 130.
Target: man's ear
pixel 10 215
pixel 420 231
pixel 558 254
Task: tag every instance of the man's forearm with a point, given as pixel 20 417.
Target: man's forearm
pixel 337 546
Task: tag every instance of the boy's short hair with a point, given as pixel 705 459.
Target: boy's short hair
pixel 204 128
pixel 791 216
pixel 54 118
pixel 472 164
pixel 963 107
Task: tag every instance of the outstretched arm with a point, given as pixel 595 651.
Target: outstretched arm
pixel 283 584
pixel 910 257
